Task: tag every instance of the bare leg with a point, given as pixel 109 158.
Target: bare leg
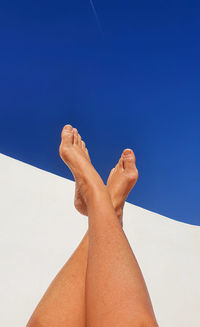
pixel 63 303
pixel 55 309
pixel 116 293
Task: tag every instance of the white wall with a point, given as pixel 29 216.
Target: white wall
pixel 40 229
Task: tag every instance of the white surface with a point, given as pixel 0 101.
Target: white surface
pixel 40 229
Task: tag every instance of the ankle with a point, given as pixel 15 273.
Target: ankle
pixel 95 189
pixel 119 214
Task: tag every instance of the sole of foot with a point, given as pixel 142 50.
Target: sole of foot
pixel 74 153
pixel 122 179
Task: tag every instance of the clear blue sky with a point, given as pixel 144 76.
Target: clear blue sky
pixel 136 84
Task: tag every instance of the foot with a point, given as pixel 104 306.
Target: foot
pixel 75 154
pixel 79 202
pixel 121 180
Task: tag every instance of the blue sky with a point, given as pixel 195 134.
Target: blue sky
pixel 134 84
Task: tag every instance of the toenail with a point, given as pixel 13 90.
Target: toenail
pixel 127 152
pixel 68 127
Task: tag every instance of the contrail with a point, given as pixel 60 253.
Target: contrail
pixel 96 17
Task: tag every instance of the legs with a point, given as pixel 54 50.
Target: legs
pixel 116 294
pixel 115 291
pixel 63 304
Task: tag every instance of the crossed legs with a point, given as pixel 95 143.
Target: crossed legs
pixel 101 284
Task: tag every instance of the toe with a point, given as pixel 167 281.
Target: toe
pixel 120 163
pixel 79 141
pixel 83 145
pixel 67 134
pixel 128 163
pixel 128 159
pixel 75 136
pixel 128 152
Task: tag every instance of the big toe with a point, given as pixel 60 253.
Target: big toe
pixel 128 159
pixel 67 134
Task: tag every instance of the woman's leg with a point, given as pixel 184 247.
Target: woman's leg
pixel 63 304
pixel 116 293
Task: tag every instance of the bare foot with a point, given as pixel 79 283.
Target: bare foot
pixel 79 202
pixel 74 153
pixel 121 180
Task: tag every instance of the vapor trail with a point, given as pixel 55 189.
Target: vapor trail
pixel 96 16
